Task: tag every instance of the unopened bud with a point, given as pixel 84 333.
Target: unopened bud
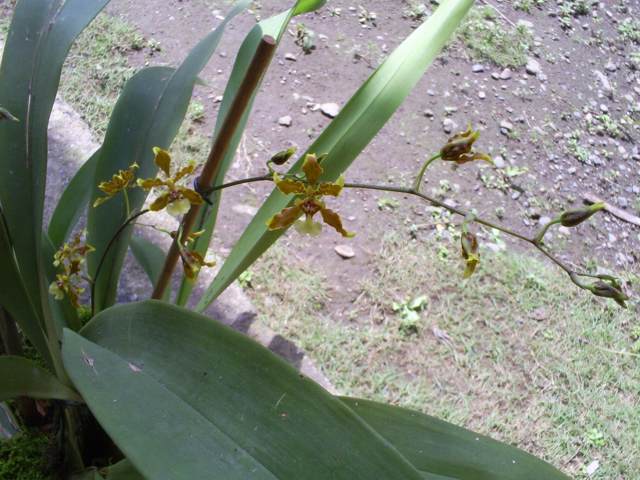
pixel 283 157
pixel 571 218
pixel 608 290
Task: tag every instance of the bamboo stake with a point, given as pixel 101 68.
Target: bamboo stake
pixel 219 149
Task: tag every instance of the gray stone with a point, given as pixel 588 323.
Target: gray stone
pixel 285 121
pixel 498 161
pixel 482 95
pixel 448 125
pixel 291 57
pixel 533 66
pixel 345 251
pixel 331 110
pixel 428 113
pixel 477 68
pixel 506 74
pixel 506 125
pixel 610 66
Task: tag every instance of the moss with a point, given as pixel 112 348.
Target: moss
pixel 25 457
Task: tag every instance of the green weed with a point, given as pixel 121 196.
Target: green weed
pixel 487 38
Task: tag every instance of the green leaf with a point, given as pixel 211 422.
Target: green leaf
pixel 41 34
pixel 21 377
pixel 147 115
pixel 73 202
pixel 203 401
pixel 274 26
pixel 435 446
pixel 150 257
pixel 14 298
pixel 351 131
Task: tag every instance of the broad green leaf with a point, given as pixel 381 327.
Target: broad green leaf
pixel 275 27
pixel 439 447
pixel 14 298
pixel 203 401
pixel 73 202
pixel 123 470
pixel 148 114
pixel 150 257
pixel 21 377
pixel 351 131
pixel 41 34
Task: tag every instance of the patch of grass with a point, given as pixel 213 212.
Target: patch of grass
pixel 629 30
pixel 487 38
pixel 516 352
pixel 24 457
pixel 528 5
pixel 97 69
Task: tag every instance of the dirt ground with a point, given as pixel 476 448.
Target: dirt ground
pixel 526 115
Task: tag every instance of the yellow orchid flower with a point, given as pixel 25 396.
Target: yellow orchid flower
pixel 119 182
pixel 310 192
pixel 176 198
pixel 459 148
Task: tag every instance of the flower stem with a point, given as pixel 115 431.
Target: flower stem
pixel 418 182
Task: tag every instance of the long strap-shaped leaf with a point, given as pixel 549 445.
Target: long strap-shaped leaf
pixel 436 446
pixel 148 114
pixel 350 132
pixel 202 401
pixel 14 298
pixel 39 39
pixel 21 377
pixel 275 27
pixel 73 202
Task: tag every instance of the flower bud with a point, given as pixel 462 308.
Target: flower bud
pixel 571 218
pixel 283 157
pixel 609 290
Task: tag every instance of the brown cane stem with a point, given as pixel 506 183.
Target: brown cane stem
pixel 219 149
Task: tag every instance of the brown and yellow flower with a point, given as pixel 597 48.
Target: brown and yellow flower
pixel 118 183
pixel 69 260
pixel 470 252
pixel 459 148
pixel 309 202
pixel 177 199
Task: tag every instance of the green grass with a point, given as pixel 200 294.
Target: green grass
pixel 523 355
pixel 487 38
pixel 24 457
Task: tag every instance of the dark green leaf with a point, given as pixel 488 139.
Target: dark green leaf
pixel 14 298
pixel 150 257
pixel 439 447
pixel 21 377
pixel 39 39
pixel 203 401
pixel 73 202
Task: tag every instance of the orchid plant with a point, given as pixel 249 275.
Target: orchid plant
pixel 177 395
